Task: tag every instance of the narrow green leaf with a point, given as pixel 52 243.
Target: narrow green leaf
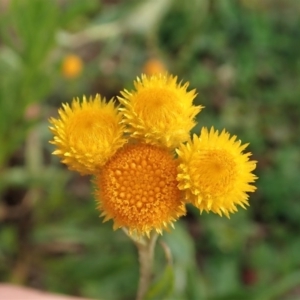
pixel 163 287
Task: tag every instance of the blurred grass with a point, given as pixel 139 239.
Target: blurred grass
pixel 241 56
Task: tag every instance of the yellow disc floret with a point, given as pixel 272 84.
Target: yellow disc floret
pixel 215 173
pixel 160 111
pixel 87 134
pixel 137 188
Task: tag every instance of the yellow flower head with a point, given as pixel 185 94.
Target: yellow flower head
pixel 160 111
pixel 154 66
pixel 87 134
pixel 215 173
pixel 72 66
pixel 137 188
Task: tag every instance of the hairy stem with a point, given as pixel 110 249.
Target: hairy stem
pixel 146 253
pixel 145 246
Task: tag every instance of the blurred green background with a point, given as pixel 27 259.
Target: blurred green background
pixel 243 58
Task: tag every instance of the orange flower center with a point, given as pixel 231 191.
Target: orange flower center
pixel 138 188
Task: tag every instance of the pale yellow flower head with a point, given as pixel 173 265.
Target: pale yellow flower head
pixel 159 111
pixel 138 189
pixel 72 66
pixel 87 134
pixel 215 173
pixel 154 66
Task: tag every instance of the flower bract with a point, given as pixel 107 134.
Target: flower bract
pixel 159 111
pixel 215 173
pixel 137 188
pixel 87 134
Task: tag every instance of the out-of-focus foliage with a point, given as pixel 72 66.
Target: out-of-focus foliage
pixel 242 56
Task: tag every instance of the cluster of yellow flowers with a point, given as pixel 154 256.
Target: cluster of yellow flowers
pixel 146 166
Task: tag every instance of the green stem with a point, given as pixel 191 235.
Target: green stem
pixel 145 248
pixel 146 253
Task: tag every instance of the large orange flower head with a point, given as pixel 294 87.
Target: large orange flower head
pixel 215 173
pixel 87 134
pixel 138 189
pixel 159 111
